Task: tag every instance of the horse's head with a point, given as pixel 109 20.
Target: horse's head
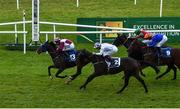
pixel 46 46
pixel 120 39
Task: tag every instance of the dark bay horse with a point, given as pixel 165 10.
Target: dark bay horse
pixel 58 59
pixel 137 52
pixel 172 62
pixel 129 65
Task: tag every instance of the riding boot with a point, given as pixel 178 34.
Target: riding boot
pixel 158 52
pixel 108 60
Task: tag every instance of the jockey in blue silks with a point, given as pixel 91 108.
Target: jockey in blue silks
pixel 156 41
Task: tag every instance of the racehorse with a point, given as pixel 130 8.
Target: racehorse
pixel 57 58
pixel 137 49
pixel 129 65
pixel 172 61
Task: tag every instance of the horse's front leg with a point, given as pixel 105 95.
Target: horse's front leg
pixel 90 78
pixel 72 77
pixel 49 71
pixel 126 82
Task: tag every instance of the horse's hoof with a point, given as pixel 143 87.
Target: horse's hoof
pixel 51 77
pixel 173 79
pixel 70 77
pixel 68 82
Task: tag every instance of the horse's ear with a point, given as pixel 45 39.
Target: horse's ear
pixel 118 34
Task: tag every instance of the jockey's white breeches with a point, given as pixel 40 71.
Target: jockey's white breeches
pixel 69 47
pixel 110 51
pixel 164 39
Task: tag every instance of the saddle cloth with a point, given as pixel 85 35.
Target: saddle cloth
pixel 166 52
pixel 116 62
pixel 71 56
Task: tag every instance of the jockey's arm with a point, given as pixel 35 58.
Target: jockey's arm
pixel 68 41
pixel 98 53
pixel 146 41
pixel 152 44
pixel 61 46
pixel 101 52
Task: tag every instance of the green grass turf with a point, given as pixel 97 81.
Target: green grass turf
pixel 24 81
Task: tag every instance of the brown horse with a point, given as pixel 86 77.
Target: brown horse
pixel 171 61
pixel 140 50
pixel 58 59
pixel 129 65
pixel 136 52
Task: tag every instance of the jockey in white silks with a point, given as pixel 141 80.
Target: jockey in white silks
pixel 106 50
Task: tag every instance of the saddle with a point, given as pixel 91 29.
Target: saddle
pixel 115 62
pixel 166 52
pixel 160 53
pixel 70 56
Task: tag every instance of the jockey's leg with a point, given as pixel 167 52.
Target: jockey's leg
pixel 156 54
pixel 108 58
pixel 158 50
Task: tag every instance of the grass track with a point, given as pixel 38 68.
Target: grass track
pixel 24 83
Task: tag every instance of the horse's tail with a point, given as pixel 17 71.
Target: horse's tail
pixel 147 63
pixel 176 56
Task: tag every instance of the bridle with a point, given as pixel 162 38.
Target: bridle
pixel 126 40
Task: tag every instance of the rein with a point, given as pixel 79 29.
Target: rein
pixel 125 41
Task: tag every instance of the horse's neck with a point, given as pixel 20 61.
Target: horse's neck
pixel 97 59
pixel 128 43
pixel 52 53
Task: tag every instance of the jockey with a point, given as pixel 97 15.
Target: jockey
pixel 106 50
pixel 64 45
pixel 140 33
pixel 157 41
pixel 153 41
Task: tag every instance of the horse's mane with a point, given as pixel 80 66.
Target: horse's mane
pixel 53 44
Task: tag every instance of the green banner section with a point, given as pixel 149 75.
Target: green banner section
pixel 164 23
